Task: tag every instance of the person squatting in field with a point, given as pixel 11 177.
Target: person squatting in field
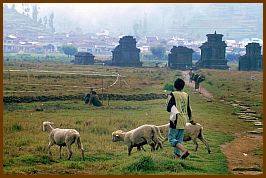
pixel 178 103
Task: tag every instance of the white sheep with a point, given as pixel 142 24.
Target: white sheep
pixel 145 134
pixel 63 137
pixel 192 132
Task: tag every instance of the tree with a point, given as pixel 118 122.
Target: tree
pixel 69 50
pixel 136 28
pixel 26 9
pixel 51 22
pixel 158 51
pixel 13 7
pixel 34 13
pixel 45 21
pixel 49 47
pixel 5 6
pixel 40 21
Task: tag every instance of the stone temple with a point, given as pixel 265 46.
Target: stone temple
pixel 180 58
pixel 126 53
pixel 213 53
pixel 252 60
pixel 84 58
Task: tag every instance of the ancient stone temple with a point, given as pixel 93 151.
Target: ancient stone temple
pixel 213 53
pixel 252 60
pixel 180 58
pixel 126 53
pixel 84 58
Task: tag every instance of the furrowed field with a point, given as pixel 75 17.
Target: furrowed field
pixel 25 144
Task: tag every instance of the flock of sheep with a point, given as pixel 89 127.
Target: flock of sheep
pixel 146 134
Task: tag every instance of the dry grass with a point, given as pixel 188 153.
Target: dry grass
pixel 57 84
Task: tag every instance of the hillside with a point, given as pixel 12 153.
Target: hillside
pixel 21 25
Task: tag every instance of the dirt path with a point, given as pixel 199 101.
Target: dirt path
pixel 244 154
pixel 202 90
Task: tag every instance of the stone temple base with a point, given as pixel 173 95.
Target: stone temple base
pixel 213 64
pixel 127 64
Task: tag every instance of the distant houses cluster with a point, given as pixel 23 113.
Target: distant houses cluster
pixel 26 35
pixel 212 55
pixel 126 53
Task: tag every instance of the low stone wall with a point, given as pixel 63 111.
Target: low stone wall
pixel 29 99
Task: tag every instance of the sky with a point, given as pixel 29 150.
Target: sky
pixel 159 18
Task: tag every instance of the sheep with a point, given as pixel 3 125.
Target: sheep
pixel 145 134
pixel 62 137
pixel 192 132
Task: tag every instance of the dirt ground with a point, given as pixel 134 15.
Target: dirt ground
pixel 241 153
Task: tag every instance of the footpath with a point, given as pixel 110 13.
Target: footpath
pixel 242 153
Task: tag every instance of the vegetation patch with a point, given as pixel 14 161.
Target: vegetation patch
pixel 100 157
pixel 22 142
pixel 34 159
pixel 248 169
pixel 170 165
pixel 73 165
pixel 169 87
pixel 145 163
pixel 100 130
pixel 16 128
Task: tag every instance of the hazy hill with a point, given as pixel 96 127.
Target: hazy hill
pixel 21 25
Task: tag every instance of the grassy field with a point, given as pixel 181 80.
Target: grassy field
pixel 63 79
pixel 236 85
pixel 25 145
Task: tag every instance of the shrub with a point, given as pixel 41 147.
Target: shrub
pixel 169 87
pixel 145 163
pixel 16 127
pixel 78 122
pixel 209 83
pixel 170 165
pixel 73 165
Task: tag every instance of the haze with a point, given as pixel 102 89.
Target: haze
pixel 160 19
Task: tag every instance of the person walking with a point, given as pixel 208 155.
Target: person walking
pixel 178 105
pixel 190 73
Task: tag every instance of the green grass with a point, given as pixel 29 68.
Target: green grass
pixel 25 145
pixel 235 85
pixel 101 154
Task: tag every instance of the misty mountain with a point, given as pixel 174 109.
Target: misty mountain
pixel 185 20
pixel 20 25
pixel 235 21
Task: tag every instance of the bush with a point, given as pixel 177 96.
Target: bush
pixel 16 127
pixel 170 165
pixel 209 82
pixel 169 87
pixel 145 163
pixel 74 165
